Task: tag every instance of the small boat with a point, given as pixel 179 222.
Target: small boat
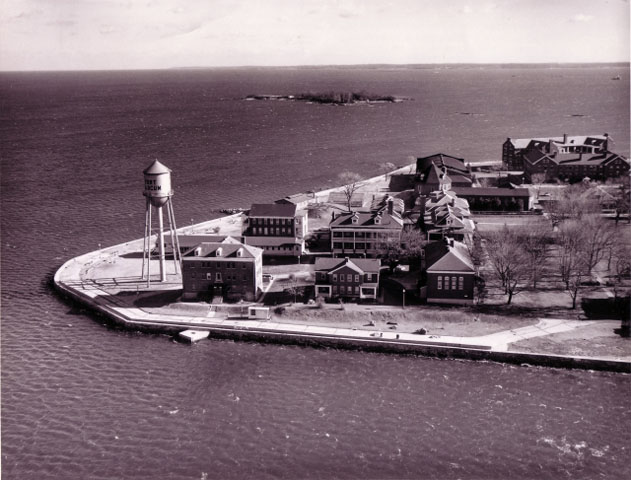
pixel 617 77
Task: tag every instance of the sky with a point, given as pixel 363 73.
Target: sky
pixel 148 34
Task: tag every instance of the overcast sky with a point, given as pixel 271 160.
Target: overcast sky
pixel 127 34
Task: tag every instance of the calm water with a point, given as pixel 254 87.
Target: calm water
pixel 81 400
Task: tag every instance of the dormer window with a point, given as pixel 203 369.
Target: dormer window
pixel 240 252
pixel 355 219
pixel 197 252
pixel 378 219
pixel 219 252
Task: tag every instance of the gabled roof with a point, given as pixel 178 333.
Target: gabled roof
pixel 575 140
pixel 229 248
pixel 273 210
pixel 367 220
pixel 361 265
pixel 448 256
pixel 441 160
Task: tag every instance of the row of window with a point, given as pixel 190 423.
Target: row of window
pixel 282 249
pixel 218 265
pixel 361 235
pixel 220 277
pixel 352 246
pixel 271 221
pixel 457 283
pixel 272 231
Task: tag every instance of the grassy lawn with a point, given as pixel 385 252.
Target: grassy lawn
pixel 436 320
pixel 595 340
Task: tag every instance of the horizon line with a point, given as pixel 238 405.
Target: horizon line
pixel 332 65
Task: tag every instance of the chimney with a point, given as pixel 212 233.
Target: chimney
pixel 606 142
pixel 390 205
pixel 564 138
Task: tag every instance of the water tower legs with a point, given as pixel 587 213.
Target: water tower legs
pixel 148 246
pixel 163 270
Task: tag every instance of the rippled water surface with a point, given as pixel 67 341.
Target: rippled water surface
pixel 83 400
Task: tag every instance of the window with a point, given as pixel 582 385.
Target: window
pixel 460 283
pixel 440 282
pixel 335 277
pixel 209 276
pixel 218 277
pixel 454 286
pixel 349 277
pixel 342 289
pixel 357 278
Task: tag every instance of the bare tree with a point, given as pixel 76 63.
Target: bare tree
pixel 508 259
pixel 597 237
pixel 387 168
pixel 351 184
pixel 572 204
pixel 535 242
pixel 569 244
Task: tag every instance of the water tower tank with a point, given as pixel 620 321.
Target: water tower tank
pixel 157 183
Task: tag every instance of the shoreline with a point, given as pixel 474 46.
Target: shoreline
pixel 112 301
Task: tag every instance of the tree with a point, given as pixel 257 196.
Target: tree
pixel 572 204
pixel 351 184
pixel 387 168
pixel 535 242
pixel 508 259
pixel 293 288
pixel 569 253
pixel 597 236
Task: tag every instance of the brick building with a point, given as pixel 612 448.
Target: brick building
pixel 356 278
pixel 277 228
pixel 227 269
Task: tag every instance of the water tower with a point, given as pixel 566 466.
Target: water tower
pixel 158 194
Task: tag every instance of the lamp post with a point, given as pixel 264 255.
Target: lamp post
pixel 403 298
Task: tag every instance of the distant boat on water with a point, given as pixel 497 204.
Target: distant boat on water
pixel 617 77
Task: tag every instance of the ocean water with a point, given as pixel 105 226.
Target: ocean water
pixel 81 399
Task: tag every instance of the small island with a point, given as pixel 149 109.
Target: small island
pixel 332 97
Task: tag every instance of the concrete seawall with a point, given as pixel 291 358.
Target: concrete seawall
pixel 248 331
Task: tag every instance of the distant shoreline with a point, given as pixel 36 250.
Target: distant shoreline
pixel 331 98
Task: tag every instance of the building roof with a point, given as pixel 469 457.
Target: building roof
pixel 491 192
pixel 229 249
pixel 273 210
pixel 367 220
pixel 297 198
pixel 401 182
pixel 441 160
pixel 366 265
pixel 448 256
pixel 575 140
pixel 569 159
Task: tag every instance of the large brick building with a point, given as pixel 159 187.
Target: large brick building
pixel 363 234
pixel 277 228
pixel 567 158
pixel 227 269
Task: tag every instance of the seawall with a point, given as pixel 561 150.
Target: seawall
pixel 254 332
